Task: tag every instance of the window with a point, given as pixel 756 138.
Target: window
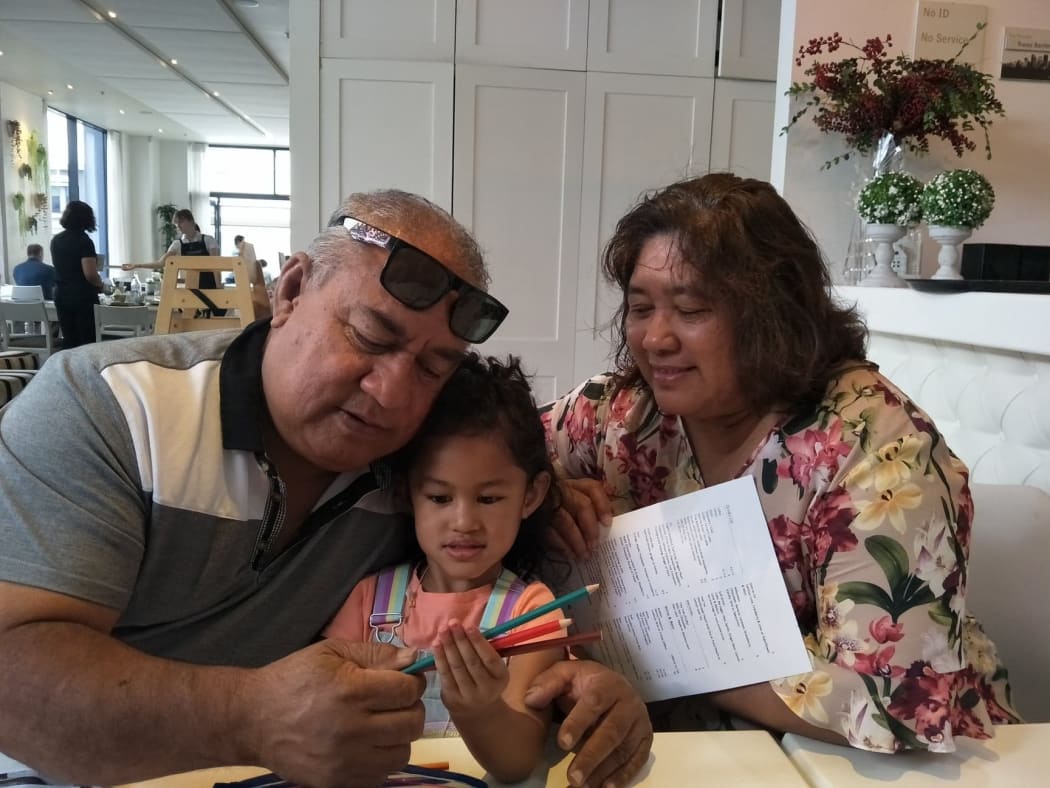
pixel 249 195
pixel 77 163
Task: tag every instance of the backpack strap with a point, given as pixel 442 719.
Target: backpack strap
pixel 506 592
pixel 389 603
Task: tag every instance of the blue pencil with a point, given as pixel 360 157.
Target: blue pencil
pixel 428 662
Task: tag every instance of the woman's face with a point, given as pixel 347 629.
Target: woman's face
pixel 186 226
pixel 679 337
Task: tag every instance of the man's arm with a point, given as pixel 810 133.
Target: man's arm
pixel 78 705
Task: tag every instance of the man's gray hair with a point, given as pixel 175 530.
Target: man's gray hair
pixel 388 209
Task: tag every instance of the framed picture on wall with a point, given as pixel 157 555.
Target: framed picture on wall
pixel 1026 54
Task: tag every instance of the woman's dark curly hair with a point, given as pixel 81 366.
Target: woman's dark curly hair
pixel 760 264
pixel 78 216
pixel 487 396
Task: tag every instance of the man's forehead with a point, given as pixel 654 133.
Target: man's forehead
pixel 432 237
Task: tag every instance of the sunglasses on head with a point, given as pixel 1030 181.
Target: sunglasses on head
pixel 419 281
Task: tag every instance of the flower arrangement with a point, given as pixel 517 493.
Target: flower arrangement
pixel 891 198
pixel 958 198
pixel 871 95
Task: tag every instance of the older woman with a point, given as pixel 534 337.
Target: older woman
pixel 734 361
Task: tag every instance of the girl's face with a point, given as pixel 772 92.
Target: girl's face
pixel 186 227
pixel 469 497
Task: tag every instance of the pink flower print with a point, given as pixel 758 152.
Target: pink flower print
pixel 580 422
pixel 878 664
pixel 885 631
pixel 827 527
pixel 813 452
pixel 787 541
pixel 647 480
pixel 923 695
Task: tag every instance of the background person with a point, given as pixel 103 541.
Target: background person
pixel 77 282
pixel 480 483
pixel 733 360
pixel 34 271
pixel 197 573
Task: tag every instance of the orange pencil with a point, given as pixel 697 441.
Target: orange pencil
pixel 530 633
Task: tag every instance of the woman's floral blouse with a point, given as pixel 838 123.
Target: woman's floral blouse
pixel 870 514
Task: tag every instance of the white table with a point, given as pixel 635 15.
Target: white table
pixel 738 758
pixel 1019 755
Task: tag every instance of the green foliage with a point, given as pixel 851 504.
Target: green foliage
pixel 891 198
pixel 168 231
pixel 958 198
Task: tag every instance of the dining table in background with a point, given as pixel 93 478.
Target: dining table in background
pixel 1019 755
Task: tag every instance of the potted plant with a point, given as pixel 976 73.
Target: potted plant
pixel 954 204
pixel 168 230
pixel 889 205
pixel 883 104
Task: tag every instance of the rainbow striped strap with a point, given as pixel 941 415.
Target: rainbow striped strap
pixel 389 603
pixel 506 591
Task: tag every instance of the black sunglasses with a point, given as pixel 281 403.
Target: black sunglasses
pixel 419 281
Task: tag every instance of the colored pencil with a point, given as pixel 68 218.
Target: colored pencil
pixel 530 633
pixel 427 662
pixel 543 645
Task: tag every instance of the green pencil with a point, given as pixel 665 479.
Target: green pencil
pixel 517 621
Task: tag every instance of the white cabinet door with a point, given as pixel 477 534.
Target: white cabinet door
pixel 388 29
pixel 385 124
pixel 674 37
pixel 742 129
pixel 518 160
pixel 536 34
pixel 750 38
pixel 642 132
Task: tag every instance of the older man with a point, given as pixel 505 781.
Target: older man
pixel 181 515
pixel 34 271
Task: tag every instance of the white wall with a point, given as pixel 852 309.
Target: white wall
pixel 31 112
pixel 1020 166
pixel 157 174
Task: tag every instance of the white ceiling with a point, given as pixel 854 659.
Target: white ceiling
pixel 220 45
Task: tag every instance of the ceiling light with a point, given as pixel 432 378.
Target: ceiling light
pixel 1 54
pixel 247 3
pixel 112 14
pixel 51 93
pixel 120 111
pixel 70 87
pixel 161 130
pixel 216 93
pixel 174 62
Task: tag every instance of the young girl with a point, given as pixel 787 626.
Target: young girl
pixel 480 483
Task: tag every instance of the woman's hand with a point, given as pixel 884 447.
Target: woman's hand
pixel 473 675
pixel 584 509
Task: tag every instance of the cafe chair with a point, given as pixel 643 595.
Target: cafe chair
pixel 118 322
pixel 1009 585
pixel 34 335
pixel 185 306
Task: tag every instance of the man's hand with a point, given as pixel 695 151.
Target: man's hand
pixel 473 675
pixel 607 724
pixel 334 714
pixel 584 509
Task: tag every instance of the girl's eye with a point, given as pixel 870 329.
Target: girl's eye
pixel 439 499
pixel 489 499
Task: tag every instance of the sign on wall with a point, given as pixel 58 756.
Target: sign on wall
pixel 1026 54
pixel 942 28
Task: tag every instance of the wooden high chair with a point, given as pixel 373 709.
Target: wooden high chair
pixel 181 297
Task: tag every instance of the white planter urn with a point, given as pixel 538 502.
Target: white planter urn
pixel 884 236
pixel 948 258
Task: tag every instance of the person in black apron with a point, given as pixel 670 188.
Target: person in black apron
pixel 200 247
pixel 192 243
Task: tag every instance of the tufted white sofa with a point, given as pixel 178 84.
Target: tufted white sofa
pixel 979 364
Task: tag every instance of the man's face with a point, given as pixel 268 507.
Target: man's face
pixel 349 372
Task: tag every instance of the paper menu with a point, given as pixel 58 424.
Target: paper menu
pixel 692 599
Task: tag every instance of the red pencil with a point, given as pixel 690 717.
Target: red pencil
pixel 543 645
pixel 530 633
